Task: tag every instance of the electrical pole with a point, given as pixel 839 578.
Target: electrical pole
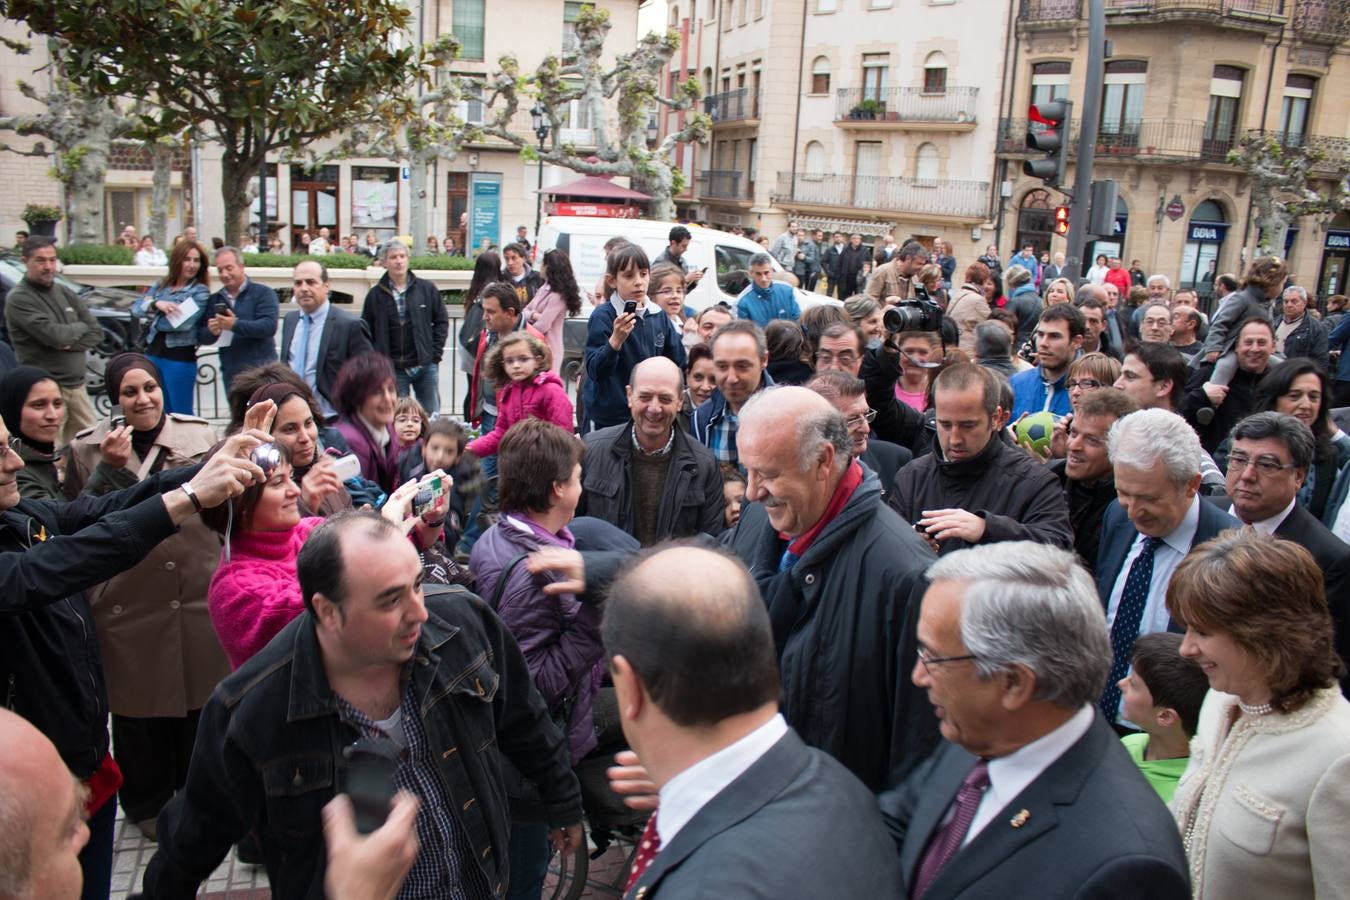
pixel 1088 121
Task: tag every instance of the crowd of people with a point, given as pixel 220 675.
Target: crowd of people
pixel 972 582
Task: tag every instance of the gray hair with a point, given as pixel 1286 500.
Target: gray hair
pixel 390 245
pixel 1032 604
pixel 1143 439
pixel 761 259
pixel 814 429
pixel 1166 282
pixel 1016 276
pixel 1089 291
pixel 238 255
pixel 1297 289
pixel 992 341
pixel 1295 436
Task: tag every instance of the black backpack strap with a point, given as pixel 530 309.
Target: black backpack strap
pixel 496 601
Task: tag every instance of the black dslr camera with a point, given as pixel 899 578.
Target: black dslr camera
pixel 918 314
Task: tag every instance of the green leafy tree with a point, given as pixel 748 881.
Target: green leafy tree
pixel 633 84
pixel 1290 180
pixel 255 77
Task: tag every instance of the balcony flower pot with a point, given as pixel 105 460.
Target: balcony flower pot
pixel 41 220
pixel 892 116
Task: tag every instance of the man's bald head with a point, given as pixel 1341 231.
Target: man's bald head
pixel 808 417
pixel 41 816
pixel 657 370
pixel 702 647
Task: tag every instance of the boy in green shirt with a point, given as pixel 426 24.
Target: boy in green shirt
pixel 1162 695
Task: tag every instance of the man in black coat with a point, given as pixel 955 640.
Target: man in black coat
pixel 1213 409
pixel 830 265
pixel 842 588
pixel 51 671
pixel 318 339
pixel 977 487
pixel 1033 794
pixel 851 261
pixel 649 477
pixel 408 323
pixel 1267 465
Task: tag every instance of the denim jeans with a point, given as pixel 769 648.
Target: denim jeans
pixel 529 853
pixel 424 381
pixel 180 384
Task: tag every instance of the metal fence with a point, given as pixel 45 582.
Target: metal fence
pixel 906 104
pixel 724 184
pixel 729 106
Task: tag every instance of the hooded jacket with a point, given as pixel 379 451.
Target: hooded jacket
pixel 541 396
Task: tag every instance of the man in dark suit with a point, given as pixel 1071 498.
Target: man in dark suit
pixel 742 798
pixel 318 339
pixel 241 318
pixel 1267 466
pixel 1156 520
pixel 848 394
pixel 1032 794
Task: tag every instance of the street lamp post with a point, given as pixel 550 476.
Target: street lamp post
pixel 539 118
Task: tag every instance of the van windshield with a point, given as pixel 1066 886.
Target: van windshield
pixel 733 268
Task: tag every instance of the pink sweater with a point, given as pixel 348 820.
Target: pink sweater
pixel 542 397
pixel 256 594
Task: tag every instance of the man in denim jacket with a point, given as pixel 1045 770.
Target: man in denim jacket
pixel 435 685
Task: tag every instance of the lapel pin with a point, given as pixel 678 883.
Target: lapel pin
pixel 1020 819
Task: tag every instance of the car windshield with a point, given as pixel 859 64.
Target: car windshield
pixel 14 269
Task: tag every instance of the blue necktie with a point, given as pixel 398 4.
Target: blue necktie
pixel 787 560
pixel 300 361
pixel 1125 628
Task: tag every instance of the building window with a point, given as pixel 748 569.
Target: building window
pixel 820 75
pixel 867 174
pixel 815 160
pixel 457 207
pixel 826 6
pixel 876 72
pixel 879 4
pixel 752 167
pixel 375 200
pixel 471 105
pixel 935 74
pixel 1225 94
pixel 314 200
pixel 468 24
pixel 926 165
pixel 572 12
pixel 1049 81
pixel 759 9
pixel 1298 92
pixel 1123 98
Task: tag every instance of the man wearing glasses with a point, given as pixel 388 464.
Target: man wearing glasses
pixel 1267 466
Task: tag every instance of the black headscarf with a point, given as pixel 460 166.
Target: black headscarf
pixel 14 390
pixel 141 441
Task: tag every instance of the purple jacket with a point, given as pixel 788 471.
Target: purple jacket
pixel 378 465
pixel 559 635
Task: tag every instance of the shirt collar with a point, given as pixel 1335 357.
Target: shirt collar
pixel 1009 775
pixel 648 308
pixel 243 286
pixel 1268 526
pixel 688 792
pixel 320 315
pixel 1181 537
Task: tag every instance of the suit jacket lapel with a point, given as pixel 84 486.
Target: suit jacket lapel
pixel 329 325
pixel 738 801
pixel 1113 559
pixel 937 796
pixel 287 335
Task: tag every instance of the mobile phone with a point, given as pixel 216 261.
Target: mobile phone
pixel 347 467
pixel 116 417
pixel 428 492
pixel 368 779
pixel 630 307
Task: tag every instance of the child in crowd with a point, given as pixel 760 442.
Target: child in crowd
pixel 1162 695
pixel 410 424
pixel 733 491
pixel 519 366
pixel 442 447
pixel 621 333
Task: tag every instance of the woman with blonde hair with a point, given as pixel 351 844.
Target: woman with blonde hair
pixel 1265 798
pixel 1089 372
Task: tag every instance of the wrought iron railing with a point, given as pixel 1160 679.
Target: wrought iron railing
pixel 730 106
pixel 1244 9
pixel 723 184
pixel 1051 11
pixel 936 196
pixel 1322 20
pixel 906 104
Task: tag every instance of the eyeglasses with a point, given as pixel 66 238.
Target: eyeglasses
pixel 1087 384
pixel 667 292
pixel 407 420
pixel 11 446
pixel 869 417
pixel 1266 465
pixel 930 661
pixel 825 358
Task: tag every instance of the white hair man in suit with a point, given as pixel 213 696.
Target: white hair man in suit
pixel 318 339
pixel 1032 792
pixel 742 798
pixel 1267 465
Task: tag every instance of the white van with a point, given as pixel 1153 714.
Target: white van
pixel 725 255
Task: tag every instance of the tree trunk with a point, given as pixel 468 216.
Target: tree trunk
pixel 234 181
pixel 659 188
pixel 85 190
pixel 417 202
pixel 160 185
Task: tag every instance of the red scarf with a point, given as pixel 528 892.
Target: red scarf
pixel 853 477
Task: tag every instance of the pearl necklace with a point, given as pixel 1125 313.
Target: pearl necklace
pixel 1262 709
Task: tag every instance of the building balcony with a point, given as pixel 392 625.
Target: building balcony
pixel 738 106
pixel 880 193
pixel 724 184
pixel 1323 21
pixel 1052 14
pixel 906 108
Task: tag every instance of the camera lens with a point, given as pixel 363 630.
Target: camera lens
pixel 266 457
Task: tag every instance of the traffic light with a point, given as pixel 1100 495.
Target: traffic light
pixel 1062 221
pixel 1052 140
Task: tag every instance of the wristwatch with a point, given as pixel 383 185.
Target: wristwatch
pixel 191 495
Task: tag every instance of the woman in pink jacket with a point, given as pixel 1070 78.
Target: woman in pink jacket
pixel 519 365
pixel 554 302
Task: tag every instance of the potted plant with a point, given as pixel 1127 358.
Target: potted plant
pixel 41 219
pixel 869 108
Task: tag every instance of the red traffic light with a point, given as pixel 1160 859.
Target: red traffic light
pixel 1052 112
pixel 1062 220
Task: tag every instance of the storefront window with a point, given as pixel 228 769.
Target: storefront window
pixel 375 201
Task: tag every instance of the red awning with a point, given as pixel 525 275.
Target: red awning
pixel 593 187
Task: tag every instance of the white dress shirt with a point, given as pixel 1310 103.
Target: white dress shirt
pixel 1009 775
pixel 647 309
pixel 1268 526
pixel 308 368
pixel 691 790
pixel 1166 557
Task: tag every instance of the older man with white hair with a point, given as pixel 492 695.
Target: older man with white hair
pixel 842 575
pixel 408 323
pixel 1297 333
pixel 1031 787
pixel 1156 520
